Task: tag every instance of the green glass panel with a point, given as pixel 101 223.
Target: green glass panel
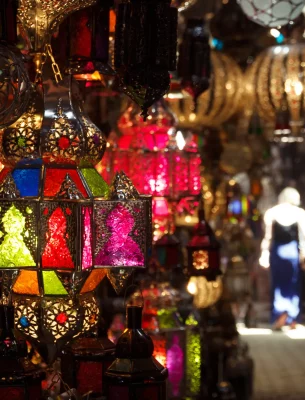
pixel 52 284
pixel 96 183
pixel 193 362
pixel 13 250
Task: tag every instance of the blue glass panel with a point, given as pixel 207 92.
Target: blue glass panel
pixel 27 181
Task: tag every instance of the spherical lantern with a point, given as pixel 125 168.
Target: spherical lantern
pixel 272 13
pixel 275 85
pixel 217 104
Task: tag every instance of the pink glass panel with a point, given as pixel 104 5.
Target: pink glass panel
pixel 160 207
pixel 56 253
pixel 194 174
pixel 120 249
pixel 175 365
pixel 55 177
pixel 180 173
pixel 87 239
pixel 150 137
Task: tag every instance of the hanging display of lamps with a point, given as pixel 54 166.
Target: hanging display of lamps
pixel 272 13
pixel 217 104
pixel 275 86
pixel 145 49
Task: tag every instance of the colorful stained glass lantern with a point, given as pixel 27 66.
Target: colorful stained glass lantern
pixel 203 250
pixel 19 378
pixel 135 374
pixel 84 363
pixel 123 227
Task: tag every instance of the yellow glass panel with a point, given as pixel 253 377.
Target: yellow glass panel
pixel 27 283
pixel 93 280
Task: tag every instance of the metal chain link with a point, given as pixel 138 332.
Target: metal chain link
pixel 39 68
pixel 55 67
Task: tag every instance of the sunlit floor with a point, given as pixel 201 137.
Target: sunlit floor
pixel 279 362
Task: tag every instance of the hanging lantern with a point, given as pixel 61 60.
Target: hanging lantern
pixel 15 86
pixel 275 85
pixel 203 250
pixel 194 66
pixel 272 13
pixel 19 377
pixel 168 251
pixel 217 104
pixel 170 163
pixel 145 49
pixel 88 37
pixel 84 363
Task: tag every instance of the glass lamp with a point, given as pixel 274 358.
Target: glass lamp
pixel 272 13
pixel 275 85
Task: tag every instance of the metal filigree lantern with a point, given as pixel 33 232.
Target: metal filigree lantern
pixel 275 86
pixel 145 49
pixel 15 86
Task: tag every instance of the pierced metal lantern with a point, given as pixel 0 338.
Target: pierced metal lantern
pixel 168 251
pixel 15 86
pixel 275 86
pixel 272 13
pixel 145 49
pixel 84 363
pixel 203 250
pixel 135 374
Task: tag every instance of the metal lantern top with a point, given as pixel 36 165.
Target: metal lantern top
pixel 275 86
pixel 272 13
pixel 40 18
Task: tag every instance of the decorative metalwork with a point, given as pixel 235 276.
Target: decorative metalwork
pixel 118 277
pixel 26 317
pixel 40 18
pixel 68 190
pixel 8 188
pixel 15 87
pixel 143 59
pixel 91 312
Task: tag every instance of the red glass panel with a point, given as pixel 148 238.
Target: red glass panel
pixel 119 393
pixel 54 178
pixel 56 253
pixel 89 376
pixel 194 174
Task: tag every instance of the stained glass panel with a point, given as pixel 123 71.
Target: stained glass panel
pixel 93 280
pixel 96 183
pixel 18 237
pixel 58 244
pixel 27 181
pixel 55 177
pixel 27 283
pixel 120 234
pixel 87 238
pixel 52 284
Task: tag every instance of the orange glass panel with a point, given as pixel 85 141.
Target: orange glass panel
pixel 93 280
pixel 27 283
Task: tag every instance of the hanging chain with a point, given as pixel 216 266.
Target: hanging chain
pixel 40 61
pixel 55 67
